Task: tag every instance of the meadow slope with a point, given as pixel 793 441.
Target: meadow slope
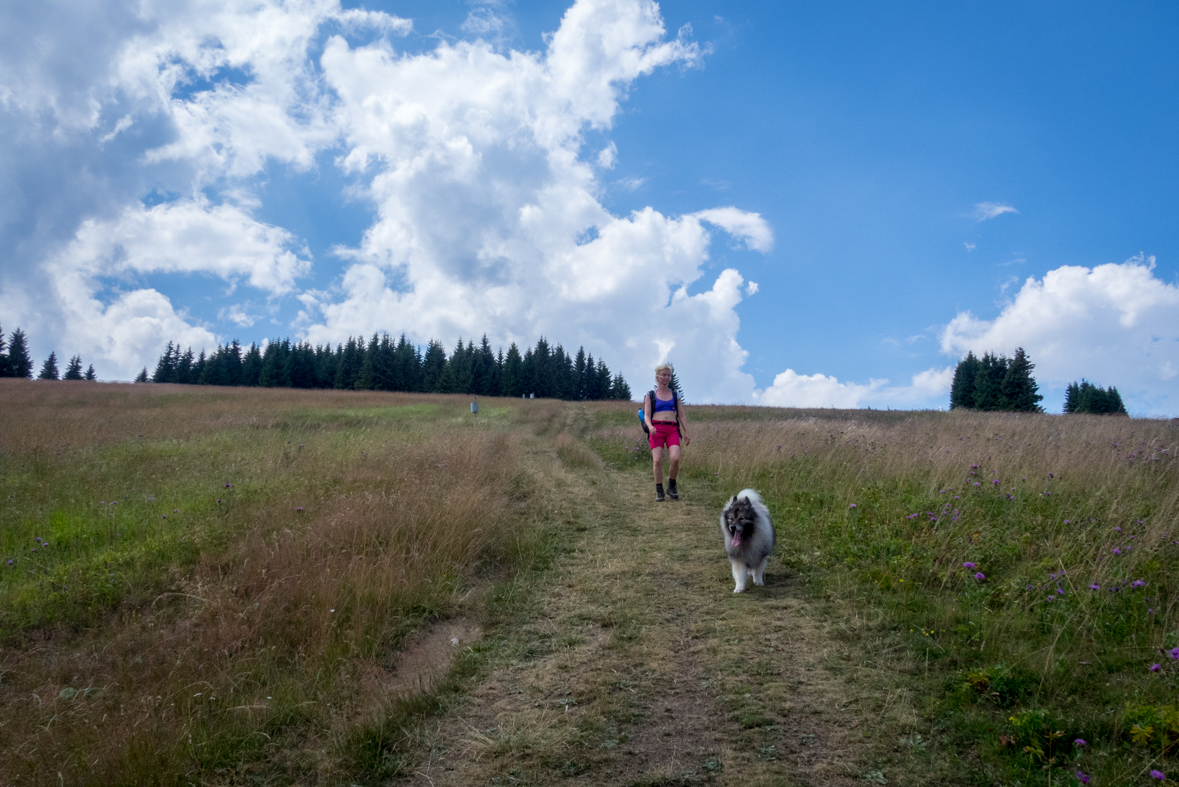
pixel 216 586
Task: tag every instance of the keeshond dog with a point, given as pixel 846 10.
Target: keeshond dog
pixel 749 537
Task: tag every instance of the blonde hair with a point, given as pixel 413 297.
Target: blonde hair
pixel 663 366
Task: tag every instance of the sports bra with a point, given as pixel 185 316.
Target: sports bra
pixel 664 405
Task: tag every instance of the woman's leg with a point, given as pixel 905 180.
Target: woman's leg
pixel 674 470
pixel 657 463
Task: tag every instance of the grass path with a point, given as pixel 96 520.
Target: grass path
pixel 636 665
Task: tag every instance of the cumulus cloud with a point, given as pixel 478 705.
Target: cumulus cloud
pixel 1114 324
pixel 488 216
pixel 929 388
pixel 791 389
pixel 989 210
pixel 487 206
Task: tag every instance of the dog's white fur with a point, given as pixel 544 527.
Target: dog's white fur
pixel 753 549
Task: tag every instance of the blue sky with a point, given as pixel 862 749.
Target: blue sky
pixel 797 204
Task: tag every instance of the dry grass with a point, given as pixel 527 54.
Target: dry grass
pixel 879 512
pixel 349 527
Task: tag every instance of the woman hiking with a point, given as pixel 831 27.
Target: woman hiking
pixel 667 423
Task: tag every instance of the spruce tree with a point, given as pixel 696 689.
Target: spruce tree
pixel 251 365
pixel 988 383
pixel 142 376
pixel 73 369
pixel 19 362
pixel 1019 387
pixel 91 375
pixel 49 369
pixel 3 355
pixel 962 389
pixel 512 383
pixel 674 384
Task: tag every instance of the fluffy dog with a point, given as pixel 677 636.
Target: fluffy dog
pixel 749 537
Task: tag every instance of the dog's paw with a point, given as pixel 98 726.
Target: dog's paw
pixel 738 590
pixel 759 581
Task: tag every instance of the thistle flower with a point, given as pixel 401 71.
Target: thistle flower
pixel 1082 778
pixel 1079 742
pixel 980 576
pixel 1162 777
pixel 968 564
pixel 1155 667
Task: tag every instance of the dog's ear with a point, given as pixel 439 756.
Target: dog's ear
pixel 745 500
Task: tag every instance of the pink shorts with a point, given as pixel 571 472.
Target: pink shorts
pixel 664 434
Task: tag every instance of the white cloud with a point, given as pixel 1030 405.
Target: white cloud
pixel 791 389
pixel 750 227
pixel 928 389
pixel 122 330
pixel 970 246
pixel 1115 324
pixel 751 288
pixel 989 210
pixel 487 206
pixel 608 156
pixel 488 217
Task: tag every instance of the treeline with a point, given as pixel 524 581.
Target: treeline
pixel 383 364
pixel 995 384
pixel 1085 397
pixel 15 361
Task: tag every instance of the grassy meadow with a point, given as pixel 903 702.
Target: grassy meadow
pixel 1028 565
pixel 206 585
pixel 215 586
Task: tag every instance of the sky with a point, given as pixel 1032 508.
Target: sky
pixel 798 204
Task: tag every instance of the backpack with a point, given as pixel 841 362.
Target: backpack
pixel 675 399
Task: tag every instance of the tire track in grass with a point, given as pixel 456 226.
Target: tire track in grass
pixel 637 665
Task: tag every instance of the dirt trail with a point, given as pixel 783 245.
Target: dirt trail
pixel 641 667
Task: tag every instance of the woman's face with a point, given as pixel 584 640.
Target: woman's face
pixel 663 376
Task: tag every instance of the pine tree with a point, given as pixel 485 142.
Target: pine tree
pixel 49 369
pixel 3 355
pixel 351 362
pixel 512 383
pixel 962 389
pixel 73 369
pixel 674 384
pixel 91 375
pixel 988 383
pixel 1089 398
pixel 251 365
pixel 433 364
pixel 619 390
pixel 1019 387
pixel 166 366
pixel 19 362
pixel 142 376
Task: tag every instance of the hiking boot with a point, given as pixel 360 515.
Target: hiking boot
pixel 672 492
pixel 659 493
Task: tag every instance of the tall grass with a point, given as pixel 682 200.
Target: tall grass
pixel 236 614
pixel 1030 562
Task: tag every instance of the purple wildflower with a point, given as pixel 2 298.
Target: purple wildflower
pixel 1060 591
pixel 1079 742
pixel 1117 551
pixel 1173 652
pixel 1095 587
pixel 853 505
pixel 1138 583
pixel 299 508
pixel 1117 530
pixel 1082 778
pixel 229 486
pixel 1162 777
pixel 968 564
pixel 1155 667
pixel 218 500
pixel 980 576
